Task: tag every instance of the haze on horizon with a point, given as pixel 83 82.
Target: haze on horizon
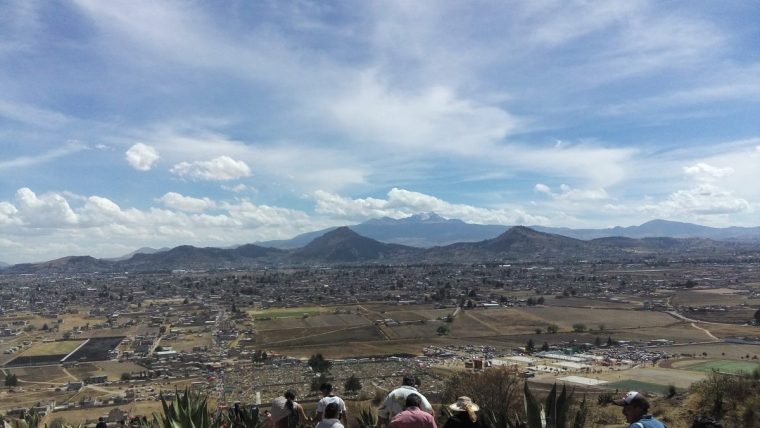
pixel 132 124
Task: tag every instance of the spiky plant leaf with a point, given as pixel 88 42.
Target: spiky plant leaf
pixel 550 407
pixel 533 411
pixel 580 415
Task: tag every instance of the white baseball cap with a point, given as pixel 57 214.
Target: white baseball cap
pixel 628 398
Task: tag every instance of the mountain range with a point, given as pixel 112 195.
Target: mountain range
pixel 343 245
pixel 430 230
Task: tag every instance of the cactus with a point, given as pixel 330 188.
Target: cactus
pixel 554 413
pixel 187 410
pixel 367 418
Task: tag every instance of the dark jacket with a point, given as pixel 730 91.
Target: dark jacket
pixel 462 420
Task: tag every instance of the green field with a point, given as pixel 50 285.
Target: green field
pixel 288 312
pixel 724 366
pixel 634 385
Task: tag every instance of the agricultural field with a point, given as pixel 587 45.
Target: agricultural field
pixel 714 296
pixel 287 312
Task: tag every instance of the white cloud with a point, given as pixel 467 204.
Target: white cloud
pixel 431 119
pixel 51 228
pixel 142 157
pixel 32 115
pixel 572 194
pixel 705 172
pixel 24 161
pixel 8 214
pixel 222 168
pixel 238 188
pixel 47 210
pixel 176 201
pixel 542 188
pixel 705 199
pixel 402 203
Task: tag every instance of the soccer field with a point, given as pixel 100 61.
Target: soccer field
pixel 724 366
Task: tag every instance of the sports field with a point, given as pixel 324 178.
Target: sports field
pixel 724 366
pixel 61 347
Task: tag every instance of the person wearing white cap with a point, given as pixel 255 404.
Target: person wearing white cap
pixel 635 407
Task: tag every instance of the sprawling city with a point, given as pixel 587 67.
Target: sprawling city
pixel 379 214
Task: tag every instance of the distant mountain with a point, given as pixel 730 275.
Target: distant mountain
pixel 182 257
pixel 189 257
pixel 3 265
pixel 143 250
pixel 661 228
pixel 72 264
pixel 419 230
pixel 518 242
pixel 345 245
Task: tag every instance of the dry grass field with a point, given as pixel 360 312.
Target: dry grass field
pixel 580 302
pixel 61 347
pixel 713 296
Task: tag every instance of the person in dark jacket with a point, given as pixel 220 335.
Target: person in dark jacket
pixel 464 414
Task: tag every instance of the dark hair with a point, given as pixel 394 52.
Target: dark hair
pixel 409 380
pixel 640 402
pixel 326 387
pixel 290 395
pixel 413 400
pixel 332 411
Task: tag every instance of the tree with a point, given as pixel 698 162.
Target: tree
pixel 319 364
pixel 353 384
pixel 126 376
pixel 552 328
pixel 545 347
pixel 497 389
pixel 540 300
pixel 579 328
pixel 531 301
pixel 757 317
pixel 11 380
pixel 443 330
pixel 598 341
pixel 530 347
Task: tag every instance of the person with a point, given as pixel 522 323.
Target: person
pixel 101 423
pixel 396 399
pixel 412 416
pixel 328 396
pixel 635 409
pixel 464 414
pixel 330 420
pixel 286 413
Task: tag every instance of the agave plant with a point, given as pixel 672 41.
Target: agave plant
pixel 367 418
pixel 240 417
pixel 187 410
pixel 554 413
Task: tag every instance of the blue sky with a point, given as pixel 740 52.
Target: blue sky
pixel 141 123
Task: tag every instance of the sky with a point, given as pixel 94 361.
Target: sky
pixel 134 123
